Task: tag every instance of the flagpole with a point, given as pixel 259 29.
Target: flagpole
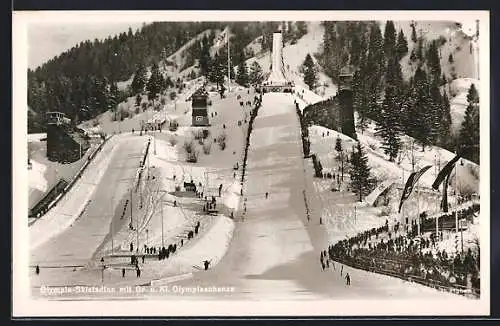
pixel 112 228
pixel 437 221
pixel 418 211
pixel 228 64
pixel 456 198
pixel 403 206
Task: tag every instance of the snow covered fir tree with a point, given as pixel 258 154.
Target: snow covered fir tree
pixel 279 159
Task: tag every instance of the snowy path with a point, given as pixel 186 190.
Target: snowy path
pixel 77 243
pixel 274 253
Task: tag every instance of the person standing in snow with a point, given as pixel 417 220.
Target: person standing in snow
pixel 206 263
pixel 37 270
pixel 341 270
pixel 123 272
pixel 267 195
pixel 348 279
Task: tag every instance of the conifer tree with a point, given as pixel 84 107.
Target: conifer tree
pixel 338 144
pixel 469 131
pixel 436 112
pixel 242 76
pixel 360 172
pixel 472 95
pixel 113 96
pixel 433 61
pixel 205 59
pixel 374 71
pixel 401 46
pixel 218 70
pixel 420 50
pixel 155 83
pixel 310 75
pixel 139 80
pixel 388 127
pixel 445 122
pixel 138 100
pixel 256 74
pixel 355 50
pixel 394 75
pixel 420 113
pixel 413 33
pixel 389 39
pixel 98 100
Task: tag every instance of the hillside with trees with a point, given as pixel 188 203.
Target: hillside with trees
pixel 416 105
pixel 82 81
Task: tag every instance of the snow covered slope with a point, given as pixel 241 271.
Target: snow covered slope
pixel 457 43
pixel 459 89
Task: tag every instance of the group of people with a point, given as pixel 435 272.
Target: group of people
pixel 409 256
pixel 326 261
pixel 210 205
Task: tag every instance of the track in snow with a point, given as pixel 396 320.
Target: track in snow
pixel 275 251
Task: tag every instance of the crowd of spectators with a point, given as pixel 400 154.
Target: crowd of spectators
pixel 399 251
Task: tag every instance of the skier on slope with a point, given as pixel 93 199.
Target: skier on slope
pixel 348 279
pixel 341 270
pixel 267 195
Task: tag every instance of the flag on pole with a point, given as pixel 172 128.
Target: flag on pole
pixel 444 200
pixel 410 184
pixel 445 172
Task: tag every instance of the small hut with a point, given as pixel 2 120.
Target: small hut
pixel 199 103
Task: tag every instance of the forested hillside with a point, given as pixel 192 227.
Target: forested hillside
pixel 82 82
pixel 419 105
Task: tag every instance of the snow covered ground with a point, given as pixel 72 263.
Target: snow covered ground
pixel 56 240
pixel 340 211
pixel 458 89
pixel 44 174
pixel 36 137
pixel 270 251
pixel 274 254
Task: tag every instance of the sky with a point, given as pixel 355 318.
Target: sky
pixel 48 40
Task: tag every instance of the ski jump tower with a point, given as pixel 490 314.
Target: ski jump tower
pixel 277 81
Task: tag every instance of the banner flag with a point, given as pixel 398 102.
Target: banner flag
pixel 444 200
pixel 410 184
pixel 445 172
